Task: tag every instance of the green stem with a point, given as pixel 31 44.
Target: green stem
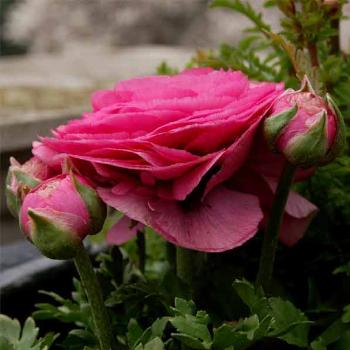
pixel 269 246
pixel 189 264
pixel 171 256
pixel 141 250
pixel 92 288
pixel 312 47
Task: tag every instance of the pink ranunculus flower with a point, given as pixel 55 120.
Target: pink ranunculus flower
pixel 57 214
pixel 165 151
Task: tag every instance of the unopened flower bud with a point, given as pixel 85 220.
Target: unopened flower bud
pixel 307 129
pixel 22 178
pixel 59 213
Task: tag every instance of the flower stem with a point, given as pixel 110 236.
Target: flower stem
pixel 268 252
pixel 312 47
pixel 171 256
pixel 189 264
pixel 92 288
pixel 141 250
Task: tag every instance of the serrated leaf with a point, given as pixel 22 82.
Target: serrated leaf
pixel 184 307
pixel 5 344
pixel 343 269
pixel 134 332
pixel 13 338
pixel 291 325
pixel 158 326
pixel 9 328
pixel 344 342
pixel 332 334
pixel 29 334
pixel 346 315
pixel 154 344
pixel 190 326
pixel 249 326
pixel 226 335
pixel 191 342
pixel 254 299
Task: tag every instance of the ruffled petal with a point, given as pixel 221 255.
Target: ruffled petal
pixel 122 231
pixel 298 211
pixel 224 220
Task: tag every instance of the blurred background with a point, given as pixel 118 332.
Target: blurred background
pixel 54 53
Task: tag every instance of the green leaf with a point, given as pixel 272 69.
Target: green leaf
pixel 249 326
pixel 9 328
pixel 134 332
pixel 254 299
pixel 189 325
pixel 5 344
pixel 77 338
pixel 343 269
pixel 331 335
pixel 227 335
pixel 29 334
pixel 191 342
pixel 291 325
pixel 184 307
pixel 346 315
pixel 154 344
pixel 158 326
pixel 13 338
pixel 344 342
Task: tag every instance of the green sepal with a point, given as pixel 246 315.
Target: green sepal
pixel 96 208
pixel 23 178
pixel 274 125
pixel 306 86
pixel 310 148
pixel 12 201
pixel 13 198
pixel 339 143
pixel 52 239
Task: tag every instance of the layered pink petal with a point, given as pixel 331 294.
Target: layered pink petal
pixel 123 231
pixel 224 220
pixel 298 211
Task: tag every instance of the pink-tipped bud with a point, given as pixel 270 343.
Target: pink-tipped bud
pixel 59 213
pixel 22 178
pixel 307 129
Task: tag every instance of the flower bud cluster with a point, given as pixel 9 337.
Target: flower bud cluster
pixel 56 212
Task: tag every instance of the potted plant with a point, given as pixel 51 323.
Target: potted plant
pixel 226 185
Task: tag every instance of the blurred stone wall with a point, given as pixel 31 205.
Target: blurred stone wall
pixel 52 25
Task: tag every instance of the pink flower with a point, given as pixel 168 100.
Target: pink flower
pixel 304 127
pixel 59 213
pixel 164 151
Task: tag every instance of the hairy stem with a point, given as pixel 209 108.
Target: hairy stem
pixel 171 256
pixel 189 264
pixel 269 246
pixel 141 249
pixel 93 291
pixel 313 54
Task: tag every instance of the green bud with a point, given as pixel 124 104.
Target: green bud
pixel 311 147
pixel 274 125
pixel 53 239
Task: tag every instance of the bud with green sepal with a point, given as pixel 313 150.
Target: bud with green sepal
pixel 22 178
pixel 59 213
pixel 307 129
